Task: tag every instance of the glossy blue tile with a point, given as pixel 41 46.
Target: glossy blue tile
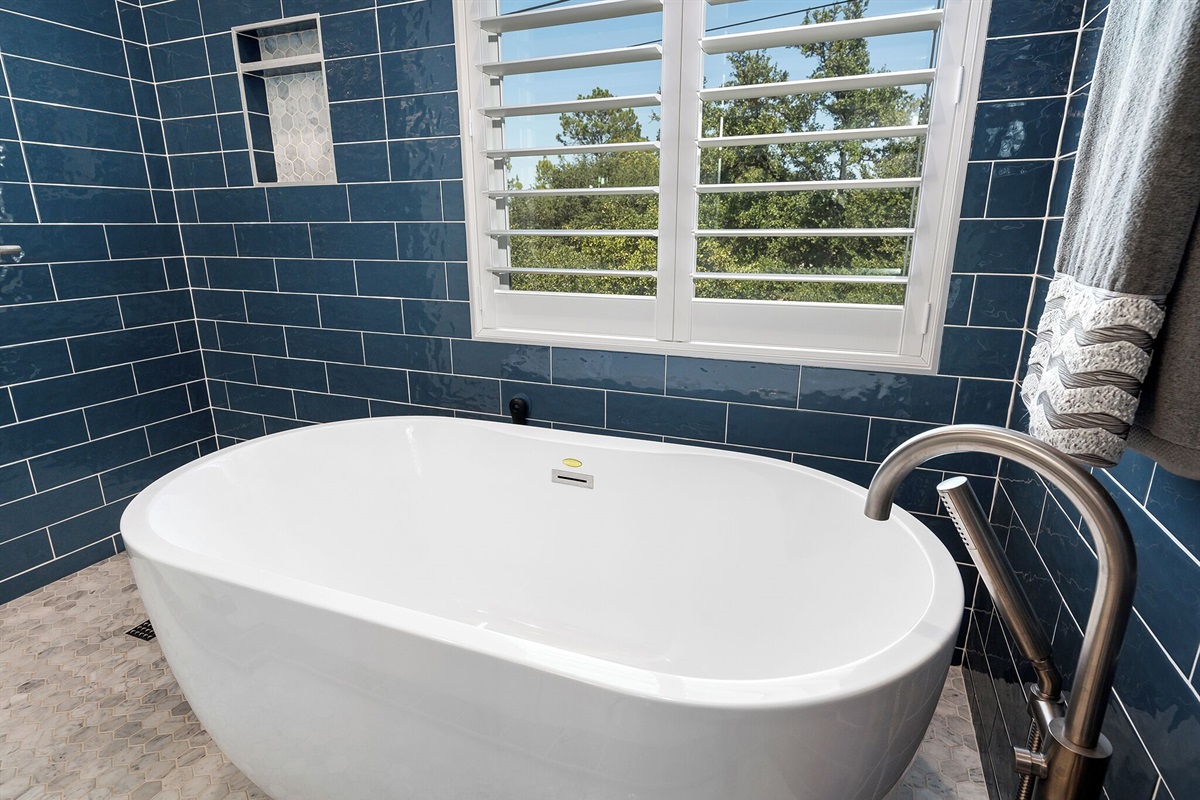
pixel 308 203
pixel 453 391
pixel 1009 246
pixel 958 299
pixel 417 279
pixel 1013 17
pixel 208 240
pixel 1020 189
pixel 330 408
pixel 83 460
pixel 64 393
pixel 118 347
pixel 980 352
pixel 224 366
pixel 431 241
pixel 221 15
pixel 132 478
pixel 20 283
pixel 1017 129
pixel 178 19
pixel 49 243
pixel 98 16
pixel 814 433
pixel 1073 128
pixel 349 34
pixel 231 205
pixel 353 78
pixel 1134 472
pixel 357 121
pixel 226 94
pixel 880 394
pixel 282 309
pixel 143 241
pixel 423 159
pixel 1085 60
pixel 240 337
pixel 225 305
pixel 1168 590
pixel 371 240
pixel 316 276
pixel 1131 773
pixel 1049 250
pixel 33 361
pixel 458 286
pixel 1062 186
pixel 983 402
pixel 179 60
pixel 294 7
pixel 502 360
pixel 220 53
pixel 419 71
pixel 237 425
pixel 411 25
pixel 1027 66
pixel 601 369
pixel 89 204
pixel 372 382
pixel 362 314
pixel 86 529
pixel 19 324
pixel 59 568
pixel 31 38
pixel 12 165
pixel 666 416
pixel 201 171
pixel 733 381
pixel 422 115
pixel 232 128
pixel 1165 711
pixel 157 373
pixel 1000 301
pixel 396 201
pixel 324 345
pixel 187 98
pixel 68 89
pixel 45 508
pixel 563 404
pixel 975 190
pixel 76 165
pixel 260 400
pixel 426 354
pixel 240 273
pixel 1175 502
pixel 42 435
pixel 22 553
pixel 237 168
pixel 437 318
pixel 361 162
pixel 278 240
pixel 15 482
pixel 290 373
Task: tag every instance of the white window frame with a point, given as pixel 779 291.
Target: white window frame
pixel 899 338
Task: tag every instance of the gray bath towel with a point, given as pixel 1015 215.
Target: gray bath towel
pixel 1099 372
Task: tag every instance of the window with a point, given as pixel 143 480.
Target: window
pixel 759 179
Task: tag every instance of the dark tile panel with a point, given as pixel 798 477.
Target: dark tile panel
pixel 349 34
pixel 137 411
pixel 370 240
pixel 143 241
pixel 25 283
pixel 84 166
pixel 154 308
pixel 396 201
pixel 601 369
pixel 158 373
pixel 26 439
pixel 19 324
pixel 100 278
pixel 104 349
pixel 1013 17
pixel 372 382
pixel 32 38
pixel 453 391
pixel 880 394
pixel 282 309
pixel 1027 66
pixel 308 203
pixel 330 408
pixel 437 318
pixel 67 392
pixel 558 403
pixel 53 124
pixel 260 400
pixel 667 416
pixel 362 314
pixel 42 509
pixel 326 345
pixel 240 273
pixel 501 360
pixel 23 553
pixel 422 115
pixel 1017 129
pixel 238 425
pixel 59 568
pixel 288 373
pixel 231 205
pixel 419 71
pixel 15 482
pixel 266 340
pixel 132 478
pixel 427 354
pixel 733 381
pixel 316 276
pixel 86 529
pixel 78 462
pixel 1004 246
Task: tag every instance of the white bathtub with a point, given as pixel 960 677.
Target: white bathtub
pixel 411 608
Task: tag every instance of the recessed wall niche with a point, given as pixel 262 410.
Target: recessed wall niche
pixel 282 71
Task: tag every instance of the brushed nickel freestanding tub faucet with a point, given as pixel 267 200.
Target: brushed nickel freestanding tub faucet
pixel 1072 763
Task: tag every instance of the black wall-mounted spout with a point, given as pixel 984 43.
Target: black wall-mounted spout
pixel 518 407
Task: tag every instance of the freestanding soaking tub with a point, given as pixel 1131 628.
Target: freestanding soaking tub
pixel 452 610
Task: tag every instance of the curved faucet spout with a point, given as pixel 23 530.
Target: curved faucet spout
pixel 1117 574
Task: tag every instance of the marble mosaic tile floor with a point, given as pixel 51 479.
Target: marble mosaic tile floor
pixel 88 713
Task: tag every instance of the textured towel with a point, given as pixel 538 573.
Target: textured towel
pixel 1125 261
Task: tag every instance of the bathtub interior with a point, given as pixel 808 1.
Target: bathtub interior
pixel 680 561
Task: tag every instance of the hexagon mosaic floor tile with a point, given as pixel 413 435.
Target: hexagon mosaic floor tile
pixel 89 713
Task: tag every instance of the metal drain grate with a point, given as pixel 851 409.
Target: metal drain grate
pixel 145 632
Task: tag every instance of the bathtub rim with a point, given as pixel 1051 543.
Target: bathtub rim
pixel 931 637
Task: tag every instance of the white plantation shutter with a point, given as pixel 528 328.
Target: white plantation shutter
pixel 862 286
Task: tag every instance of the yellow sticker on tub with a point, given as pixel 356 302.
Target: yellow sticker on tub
pixel 572 462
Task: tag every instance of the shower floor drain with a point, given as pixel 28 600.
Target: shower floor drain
pixel 145 632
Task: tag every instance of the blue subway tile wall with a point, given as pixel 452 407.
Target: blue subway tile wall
pixel 97 332
pixel 1154 716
